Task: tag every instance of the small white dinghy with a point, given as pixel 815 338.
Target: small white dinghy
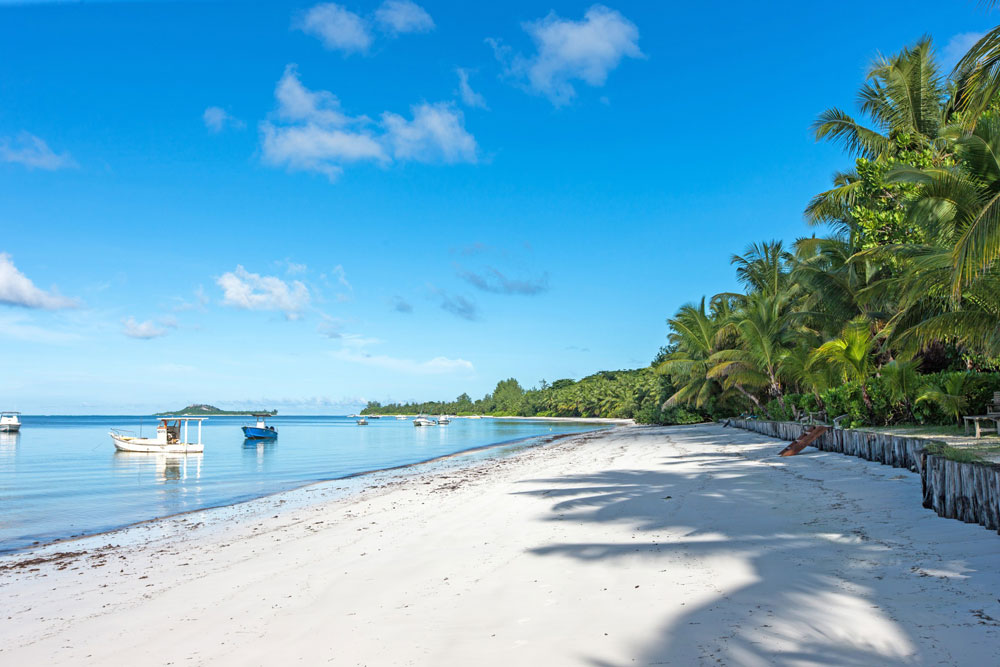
pixel 168 440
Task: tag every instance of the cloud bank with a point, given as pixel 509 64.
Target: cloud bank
pixel 32 152
pixel 252 291
pixel 146 330
pixel 16 289
pixel 492 280
pixel 402 16
pixel 217 119
pixel 311 132
pixel 568 51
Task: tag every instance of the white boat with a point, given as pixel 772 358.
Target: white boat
pixel 424 421
pixel 401 418
pixel 362 422
pixel 168 440
pixel 9 422
pixel 443 420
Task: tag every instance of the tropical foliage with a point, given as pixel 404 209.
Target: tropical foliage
pixel 894 313
pixel 632 394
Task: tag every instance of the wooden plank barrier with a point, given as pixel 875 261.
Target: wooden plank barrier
pixel 968 492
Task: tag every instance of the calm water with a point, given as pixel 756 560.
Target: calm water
pixel 61 476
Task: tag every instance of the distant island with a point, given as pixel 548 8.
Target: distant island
pixel 201 409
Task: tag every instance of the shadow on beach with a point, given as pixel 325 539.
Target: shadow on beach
pixel 815 575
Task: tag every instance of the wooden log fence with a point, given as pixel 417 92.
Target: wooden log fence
pixel 968 492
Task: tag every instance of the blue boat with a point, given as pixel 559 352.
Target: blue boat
pixel 260 431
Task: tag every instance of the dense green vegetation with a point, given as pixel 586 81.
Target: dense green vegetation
pixel 631 394
pixel 202 409
pixel 892 315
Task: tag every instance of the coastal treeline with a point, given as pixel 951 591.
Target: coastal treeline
pixel 628 394
pixel 892 314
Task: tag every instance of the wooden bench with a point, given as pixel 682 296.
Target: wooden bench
pixel 978 420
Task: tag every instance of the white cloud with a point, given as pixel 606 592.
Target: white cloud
pixel 16 289
pixel 568 50
pixel 402 16
pixel 33 153
pixel 252 291
pixel 298 103
pixel 148 329
pixel 470 98
pixel 338 28
pixel 436 134
pixel 957 47
pixel 310 132
pixel 435 366
pixel 294 268
pixel 218 119
pixel 342 277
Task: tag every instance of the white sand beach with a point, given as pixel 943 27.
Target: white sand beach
pixel 682 545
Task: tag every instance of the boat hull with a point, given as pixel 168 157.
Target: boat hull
pixel 10 428
pixel 146 446
pixel 254 433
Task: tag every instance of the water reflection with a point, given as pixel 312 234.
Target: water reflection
pixel 8 444
pixel 166 467
pixel 257 451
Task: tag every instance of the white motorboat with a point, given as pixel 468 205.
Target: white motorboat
pixel 169 438
pixel 362 422
pixel 443 420
pixel 401 418
pixel 424 421
pixel 9 422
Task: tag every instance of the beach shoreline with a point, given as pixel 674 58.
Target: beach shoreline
pixel 684 545
pixel 349 483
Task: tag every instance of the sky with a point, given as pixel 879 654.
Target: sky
pixel 306 206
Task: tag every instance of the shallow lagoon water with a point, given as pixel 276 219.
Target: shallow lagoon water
pixel 61 476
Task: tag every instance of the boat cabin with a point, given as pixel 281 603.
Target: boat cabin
pixel 168 431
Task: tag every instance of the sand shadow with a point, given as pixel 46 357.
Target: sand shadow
pixel 812 578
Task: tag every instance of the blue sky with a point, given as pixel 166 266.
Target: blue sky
pixel 303 206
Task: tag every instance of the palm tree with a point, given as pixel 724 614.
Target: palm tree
pixel 949 394
pixel 695 335
pixel 902 381
pixel 905 98
pixel 764 332
pixel 764 267
pixel 852 356
pixel 960 205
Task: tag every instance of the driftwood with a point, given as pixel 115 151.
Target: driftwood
pixel 968 492
pixel 809 435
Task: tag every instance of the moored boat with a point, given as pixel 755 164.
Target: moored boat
pixel 362 422
pixel 260 431
pixel 9 422
pixel 424 421
pixel 169 438
pixel 443 420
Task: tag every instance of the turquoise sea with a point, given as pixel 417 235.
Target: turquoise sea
pixel 61 476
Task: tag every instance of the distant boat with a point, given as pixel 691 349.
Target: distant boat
pixel 168 440
pixel 374 416
pixel 260 431
pixel 9 423
pixel 424 421
pixel 401 417
pixel 362 422
pixel 443 420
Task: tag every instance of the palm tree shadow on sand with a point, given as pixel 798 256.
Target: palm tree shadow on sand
pixel 815 577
